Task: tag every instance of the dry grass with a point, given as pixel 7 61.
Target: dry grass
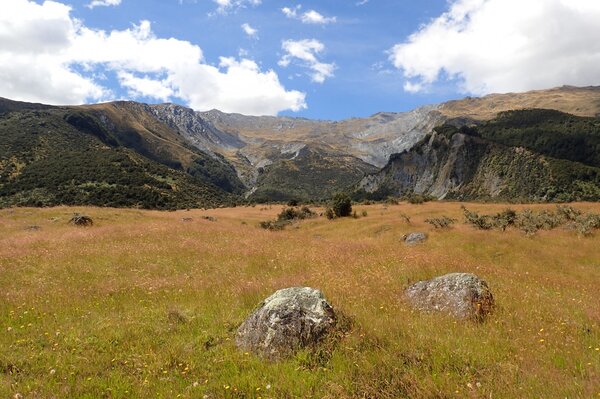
pixel 145 305
pixel 581 101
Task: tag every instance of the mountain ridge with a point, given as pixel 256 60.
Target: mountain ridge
pixel 262 158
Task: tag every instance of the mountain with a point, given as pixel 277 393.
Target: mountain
pixel 526 155
pixel 107 155
pixel 169 156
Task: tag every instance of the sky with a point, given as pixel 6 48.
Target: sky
pixel 328 59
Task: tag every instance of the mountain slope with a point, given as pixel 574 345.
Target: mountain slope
pixel 61 155
pixel 509 158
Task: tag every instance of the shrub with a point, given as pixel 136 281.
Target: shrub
pixel 481 222
pixel 418 199
pixel 329 214
pixel 443 222
pixel 341 204
pixel 296 214
pixel 364 213
pixel 81 220
pixel 274 224
pixel 504 219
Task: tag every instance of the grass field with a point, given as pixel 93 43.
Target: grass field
pixel 146 305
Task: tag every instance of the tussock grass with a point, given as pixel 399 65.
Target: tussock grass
pixel 141 305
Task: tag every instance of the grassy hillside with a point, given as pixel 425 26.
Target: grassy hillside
pixel 143 304
pixel 57 156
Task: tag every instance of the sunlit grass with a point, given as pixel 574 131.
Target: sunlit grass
pixel 143 304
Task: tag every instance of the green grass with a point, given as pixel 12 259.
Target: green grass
pixel 145 305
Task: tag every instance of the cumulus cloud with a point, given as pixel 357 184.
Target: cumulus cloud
pixel 306 52
pixel 47 56
pixel 249 30
pixel 225 6
pixel 308 17
pixel 505 45
pixel 104 3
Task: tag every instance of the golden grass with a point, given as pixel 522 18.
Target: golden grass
pixel 144 304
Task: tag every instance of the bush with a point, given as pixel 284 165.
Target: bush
pixel 329 213
pixel 296 214
pixel 274 224
pixel 341 204
pixel 418 199
pixel 505 219
pixel 443 222
pixel 481 222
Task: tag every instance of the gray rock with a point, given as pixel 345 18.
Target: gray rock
pixel 414 238
pixel 288 320
pixel 462 295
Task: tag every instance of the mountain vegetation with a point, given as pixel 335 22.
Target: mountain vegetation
pixel 59 157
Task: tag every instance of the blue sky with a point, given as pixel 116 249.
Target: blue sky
pixel 364 82
pixel 318 59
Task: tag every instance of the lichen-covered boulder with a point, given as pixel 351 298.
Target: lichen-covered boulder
pixel 462 295
pixel 414 238
pixel 288 320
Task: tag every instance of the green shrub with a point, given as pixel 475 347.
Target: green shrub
pixel 341 204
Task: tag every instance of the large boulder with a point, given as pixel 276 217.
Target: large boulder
pixel 288 320
pixel 462 295
pixel 414 238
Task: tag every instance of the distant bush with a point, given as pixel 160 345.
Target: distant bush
pixel 418 199
pixel 296 214
pixel 81 220
pixel 329 214
pixel 443 222
pixel 530 222
pixel 482 222
pixel 341 204
pixel 286 217
pixel 274 224
pixel 392 201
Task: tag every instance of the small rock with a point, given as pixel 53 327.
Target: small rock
pixel 462 295
pixel 414 238
pixel 288 320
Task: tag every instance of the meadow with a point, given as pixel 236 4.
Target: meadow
pixel 145 304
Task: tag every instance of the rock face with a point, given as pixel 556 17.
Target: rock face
pixel 288 320
pixel 462 295
pixel 414 238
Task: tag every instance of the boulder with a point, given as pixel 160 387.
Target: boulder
pixel 414 238
pixel 288 320
pixel 462 295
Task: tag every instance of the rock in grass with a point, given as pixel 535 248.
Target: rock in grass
pixel 414 238
pixel 288 320
pixel 462 295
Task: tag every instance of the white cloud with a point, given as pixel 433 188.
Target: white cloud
pixel 47 56
pixel 505 45
pixel 306 51
pixel 104 3
pixel 226 6
pixel 308 17
pixel 250 31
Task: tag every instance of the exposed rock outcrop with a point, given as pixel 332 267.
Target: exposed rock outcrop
pixel 414 238
pixel 288 320
pixel 462 295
